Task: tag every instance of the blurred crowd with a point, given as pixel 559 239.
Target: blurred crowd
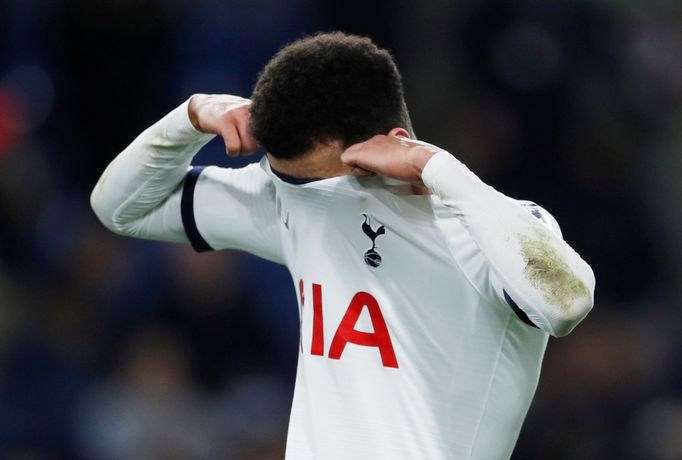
pixel 112 348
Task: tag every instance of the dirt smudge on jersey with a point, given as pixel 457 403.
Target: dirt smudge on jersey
pixel 549 273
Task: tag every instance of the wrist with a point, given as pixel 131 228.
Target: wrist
pixel 193 111
pixel 419 158
pixel 177 127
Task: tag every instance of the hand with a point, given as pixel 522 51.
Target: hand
pixel 393 156
pixel 226 116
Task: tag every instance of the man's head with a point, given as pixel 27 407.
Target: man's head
pixel 328 88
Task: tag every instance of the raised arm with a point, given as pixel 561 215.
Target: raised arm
pixel 532 267
pixel 149 191
pixel 139 193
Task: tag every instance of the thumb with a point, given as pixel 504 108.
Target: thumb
pixel 231 138
pixel 347 158
pixel 351 157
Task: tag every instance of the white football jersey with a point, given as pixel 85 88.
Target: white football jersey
pixel 422 330
pixel 405 351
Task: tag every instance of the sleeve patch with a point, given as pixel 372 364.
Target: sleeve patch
pixel 187 211
pixel 543 216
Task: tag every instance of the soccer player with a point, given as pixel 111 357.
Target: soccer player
pixel 426 296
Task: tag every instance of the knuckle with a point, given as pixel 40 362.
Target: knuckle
pixel 237 115
pixel 232 145
pixel 241 110
pixel 230 115
pixel 226 120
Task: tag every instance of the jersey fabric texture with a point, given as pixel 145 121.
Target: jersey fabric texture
pixel 422 335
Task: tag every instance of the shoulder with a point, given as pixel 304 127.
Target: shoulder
pixel 542 214
pixel 249 179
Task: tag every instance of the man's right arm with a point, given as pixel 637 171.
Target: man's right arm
pixel 139 192
pixel 149 191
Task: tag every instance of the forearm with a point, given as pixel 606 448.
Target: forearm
pixel 540 272
pixel 146 175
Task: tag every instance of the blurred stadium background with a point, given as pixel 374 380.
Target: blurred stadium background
pixel 119 349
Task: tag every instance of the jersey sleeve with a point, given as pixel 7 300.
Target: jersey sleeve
pixel 231 209
pixel 150 191
pixel 518 256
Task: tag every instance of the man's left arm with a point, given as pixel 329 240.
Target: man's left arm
pixel 532 267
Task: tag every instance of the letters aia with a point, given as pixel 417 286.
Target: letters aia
pixel 346 332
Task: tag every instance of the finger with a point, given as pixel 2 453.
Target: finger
pixel 355 147
pixel 248 143
pixel 349 158
pixel 356 157
pixel 231 137
pixel 360 172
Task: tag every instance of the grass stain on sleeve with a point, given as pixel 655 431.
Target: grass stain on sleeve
pixel 549 273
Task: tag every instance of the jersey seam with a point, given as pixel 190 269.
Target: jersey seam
pixel 490 385
pixel 280 228
pixel 115 218
pixel 498 303
pixel 456 263
pixel 254 187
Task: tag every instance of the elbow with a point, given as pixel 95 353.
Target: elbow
pixel 560 285
pixel 103 210
pixel 577 308
pixel 566 321
pixel 99 207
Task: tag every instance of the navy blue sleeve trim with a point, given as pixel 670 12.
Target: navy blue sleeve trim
pixel 187 211
pixel 520 313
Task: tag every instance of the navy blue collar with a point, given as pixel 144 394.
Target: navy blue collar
pixel 291 179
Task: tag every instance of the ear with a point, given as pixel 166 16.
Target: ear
pixel 399 132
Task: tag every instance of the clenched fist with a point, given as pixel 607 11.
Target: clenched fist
pixel 394 155
pixel 228 117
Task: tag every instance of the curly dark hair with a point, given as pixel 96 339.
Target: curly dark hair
pixel 327 87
